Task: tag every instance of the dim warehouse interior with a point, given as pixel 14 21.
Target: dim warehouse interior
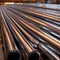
pixel 29 29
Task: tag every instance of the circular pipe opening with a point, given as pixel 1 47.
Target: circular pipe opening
pixel 34 56
pixel 13 56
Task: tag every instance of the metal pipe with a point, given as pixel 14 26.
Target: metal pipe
pixel 35 42
pixel 29 49
pixel 37 21
pixel 10 49
pixel 32 25
pixel 39 40
pixel 40 10
pixel 20 27
pixel 41 15
pixel 24 54
pixel 38 15
pixel 37 6
pixel 43 35
pixel 18 7
pixel 45 19
pixel 46 38
pixel 48 52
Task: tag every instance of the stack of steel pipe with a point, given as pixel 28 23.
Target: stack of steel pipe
pixel 31 30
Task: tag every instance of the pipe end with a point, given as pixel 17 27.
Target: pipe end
pixel 34 56
pixel 13 55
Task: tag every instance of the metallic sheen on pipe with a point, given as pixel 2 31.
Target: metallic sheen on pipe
pixel 10 48
pixel 46 38
pixel 29 49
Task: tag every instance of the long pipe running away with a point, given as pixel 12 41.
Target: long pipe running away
pixel 32 53
pixel 10 48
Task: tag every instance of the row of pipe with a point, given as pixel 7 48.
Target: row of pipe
pixel 23 31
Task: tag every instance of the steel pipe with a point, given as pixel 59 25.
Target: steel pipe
pixel 38 32
pixel 38 15
pixel 29 49
pixel 50 35
pixel 35 42
pixel 29 33
pixel 37 21
pixel 10 48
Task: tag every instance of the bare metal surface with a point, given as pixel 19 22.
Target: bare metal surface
pixel 31 33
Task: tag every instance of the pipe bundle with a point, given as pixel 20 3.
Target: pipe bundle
pixel 30 30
